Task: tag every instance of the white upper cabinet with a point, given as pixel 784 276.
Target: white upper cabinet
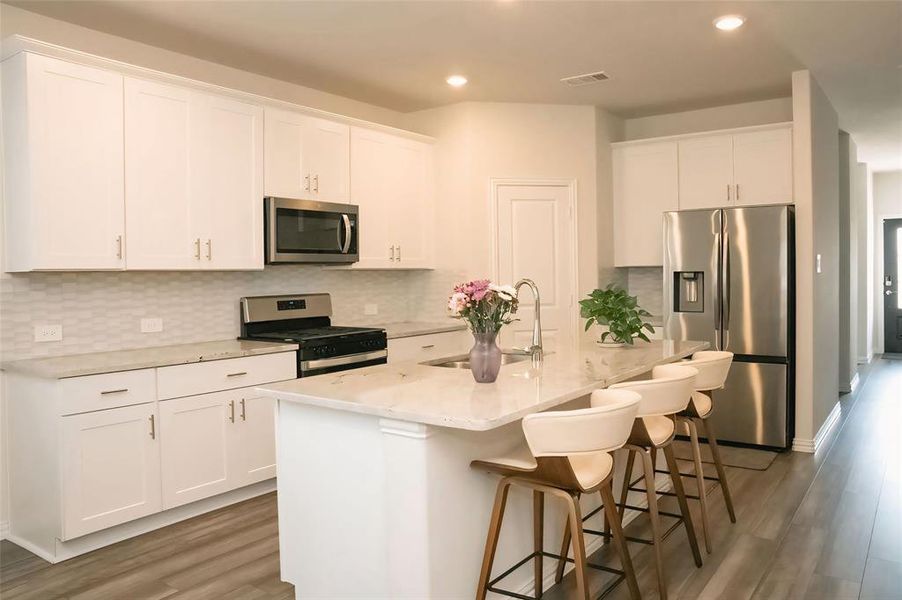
pixel 392 182
pixel 306 157
pixel 162 216
pixel 63 165
pixel 706 172
pixel 645 187
pixel 762 167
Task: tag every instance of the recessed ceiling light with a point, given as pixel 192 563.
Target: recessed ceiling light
pixel 457 80
pixel 729 22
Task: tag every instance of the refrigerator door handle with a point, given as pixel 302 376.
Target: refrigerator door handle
pixel 725 287
pixel 718 290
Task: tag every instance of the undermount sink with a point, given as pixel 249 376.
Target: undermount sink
pixel 463 361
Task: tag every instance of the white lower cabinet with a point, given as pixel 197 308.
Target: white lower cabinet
pixel 110 468
pixel 255 458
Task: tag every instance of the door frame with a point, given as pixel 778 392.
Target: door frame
pixel 495 185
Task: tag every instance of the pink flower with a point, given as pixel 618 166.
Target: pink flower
pixel 457 303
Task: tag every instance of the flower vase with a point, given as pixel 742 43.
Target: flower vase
pixel 485 357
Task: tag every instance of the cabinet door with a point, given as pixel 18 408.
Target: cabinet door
pixel 330 160
pixel 762 167
pixel 410 186
pixel 159 220
pixel 110 468
pixel 645 187
pixel 370 190
pixel 197 444
pixel 255 442
pixel 230 183
pixel 706 172
pixel 76 176
pixel 286 168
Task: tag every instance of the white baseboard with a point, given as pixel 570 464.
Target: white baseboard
pixel 854 383
pixel 4 530
pixel 812 446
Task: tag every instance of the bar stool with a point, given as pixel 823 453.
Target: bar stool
pixel 663 397
pixel 713 367
pixel 568 453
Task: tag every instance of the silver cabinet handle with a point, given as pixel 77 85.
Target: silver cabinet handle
pixel 307 182
pixel 232 411
pixel 119 246
pixel 119 391
pixel 427 346
pixel 316 183
pixel 209 249
pixel 197 248
pixel 243 411
pixel 153 428
pixel 399 253
pixel 737 192
pixel 238 374
pixel 393 254
pixel 728 192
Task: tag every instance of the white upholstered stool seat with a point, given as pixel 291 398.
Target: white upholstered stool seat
pixel 590 468
pixel 659 428
pixel 702 403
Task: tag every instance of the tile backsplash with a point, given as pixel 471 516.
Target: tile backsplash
pixel 102 311
pixel 647 283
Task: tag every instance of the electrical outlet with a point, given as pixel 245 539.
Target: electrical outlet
pixel 48 333
pixel 371 309
pixel 151 325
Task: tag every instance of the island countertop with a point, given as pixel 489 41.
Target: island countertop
pixel 446 397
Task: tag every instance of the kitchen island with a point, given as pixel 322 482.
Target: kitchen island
pixel 376 495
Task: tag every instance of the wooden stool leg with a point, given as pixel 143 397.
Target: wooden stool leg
pixel 649 469
pixel 684 506
pixel 491 542
pixel 627 475
pixel 579 547
pixel 538 534
pixel 612 518
pixel 606 521
pixel 700 480
pixel 565 549
pixel 705 424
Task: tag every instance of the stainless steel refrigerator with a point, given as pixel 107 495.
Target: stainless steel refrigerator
pixel 729 280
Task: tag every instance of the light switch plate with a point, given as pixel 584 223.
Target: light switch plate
pixel 371 309
pixel 52 332
pixel 151 325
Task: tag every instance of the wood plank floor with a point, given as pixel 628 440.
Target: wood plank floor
pixel 821 527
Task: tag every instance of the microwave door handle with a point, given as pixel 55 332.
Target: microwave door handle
pixel 347 244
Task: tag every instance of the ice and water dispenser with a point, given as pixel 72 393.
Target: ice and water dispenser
pixel 689 291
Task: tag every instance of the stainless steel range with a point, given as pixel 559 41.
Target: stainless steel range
pixel 306 320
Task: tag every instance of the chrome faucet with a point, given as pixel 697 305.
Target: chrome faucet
pixel 534 349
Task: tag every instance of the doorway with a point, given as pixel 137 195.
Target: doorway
pixel 892 273
pixel 535 238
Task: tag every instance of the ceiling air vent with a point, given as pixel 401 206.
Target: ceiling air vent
pixel 578 80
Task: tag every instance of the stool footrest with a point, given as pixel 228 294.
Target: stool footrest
pixel 491 585
pixel 692 475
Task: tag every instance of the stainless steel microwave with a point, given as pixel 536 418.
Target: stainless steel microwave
pixel 307 231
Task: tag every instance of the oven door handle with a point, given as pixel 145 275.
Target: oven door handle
pixel 347 223
pixel 338 361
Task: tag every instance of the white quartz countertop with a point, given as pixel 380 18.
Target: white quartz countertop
pixel 446 397
pixel 77 365
pixel 413 328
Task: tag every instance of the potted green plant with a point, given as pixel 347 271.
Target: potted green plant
pixel 614 308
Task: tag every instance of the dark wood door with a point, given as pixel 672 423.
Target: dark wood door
pixel 892 300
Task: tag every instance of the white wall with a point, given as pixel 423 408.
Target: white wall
pixel 816 191
pixel 719 117
pixel 864 209
pixel 608 129
pixel 887 205
pixel 848 263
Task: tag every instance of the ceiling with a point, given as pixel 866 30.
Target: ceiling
pixel 661 56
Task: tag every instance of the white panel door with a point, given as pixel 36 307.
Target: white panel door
pixel 75 114
pixel 159 221
pixel 286 169
pixel 645 187
pixel 411 192
pixel 370 190
pixel 255 443
pixel 110 468
pixel 706 172
pixel 762 167
pixel 230 183
pixel 197 434
pixel 535 241
pixel 330 160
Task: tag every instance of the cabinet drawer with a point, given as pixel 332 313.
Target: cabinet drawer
pixel 226 374
pixel 109 390
pixel 428 347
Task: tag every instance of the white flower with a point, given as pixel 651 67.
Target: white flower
pixel 506 292
pixel 457 303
